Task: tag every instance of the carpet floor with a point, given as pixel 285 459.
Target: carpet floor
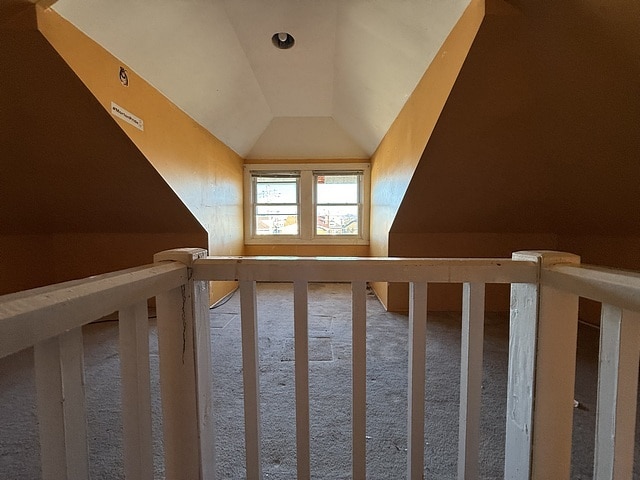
pixel 330 393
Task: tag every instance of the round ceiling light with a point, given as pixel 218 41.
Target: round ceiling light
pixel 282 40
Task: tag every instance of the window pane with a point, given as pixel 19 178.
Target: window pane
pixel 277 220
pixel 337 220
pixel 337 189
pixel 276 190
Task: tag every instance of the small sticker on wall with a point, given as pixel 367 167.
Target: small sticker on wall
pixel 127 116
pixel 124 77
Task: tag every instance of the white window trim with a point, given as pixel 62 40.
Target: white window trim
pixel 307 213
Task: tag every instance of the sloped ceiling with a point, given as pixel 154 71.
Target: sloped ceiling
pixel 333 95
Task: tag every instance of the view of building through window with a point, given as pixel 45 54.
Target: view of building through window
pixel 336 204
pixel 300 204
pixel 276 207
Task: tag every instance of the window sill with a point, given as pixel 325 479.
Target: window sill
pixel 302 241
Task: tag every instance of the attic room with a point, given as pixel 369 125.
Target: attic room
pixel 474 129
pixel 532 145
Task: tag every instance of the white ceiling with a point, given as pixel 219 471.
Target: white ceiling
pixel 333 95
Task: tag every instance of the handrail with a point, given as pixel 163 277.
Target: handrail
pixel 350 269
pixel 621 288
pixel 541 359
pixel 418 272
pixel 29 317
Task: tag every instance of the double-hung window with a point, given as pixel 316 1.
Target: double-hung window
pixel 337 202
pixel 305 204
pixel 277 205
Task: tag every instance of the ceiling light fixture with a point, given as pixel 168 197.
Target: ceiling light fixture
pixel 282 40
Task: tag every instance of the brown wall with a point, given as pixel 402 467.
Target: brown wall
pixel 614 251
pixel 205 174
pixel 78 196
pixel 449 245
pixel 395 159
pixel 537 139
pixel 34 260
pixel 74 190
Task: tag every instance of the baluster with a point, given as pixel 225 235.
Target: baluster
pixel 250 374
pixel 542 359
pixel 133 327
pixel 359 373
pixel 59 376
pixel 617 393
pixel 416 377
pixel 301 333
pixel 471 380
pixel 185 373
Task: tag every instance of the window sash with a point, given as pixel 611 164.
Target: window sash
pixel 308 205
pixel 278 221
pixel 342 226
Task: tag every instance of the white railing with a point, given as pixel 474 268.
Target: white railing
pixel 50 320
pixel 542 347
pixel 474 273
pixel 542 361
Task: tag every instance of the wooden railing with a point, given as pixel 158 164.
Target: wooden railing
pixel 542 361
pixel 473 273
pixel 50 320
pixel 542 348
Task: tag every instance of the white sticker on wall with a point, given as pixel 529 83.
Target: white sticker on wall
pixel 127 116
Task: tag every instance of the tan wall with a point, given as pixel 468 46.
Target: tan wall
pixel 396 157
pixel 616 251
pixel 612 251
pixel 609 250
pixel 78 255
pixel 606 250
pixel 463 245
pixel 205 174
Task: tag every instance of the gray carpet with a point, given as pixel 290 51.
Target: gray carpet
pixel 330 392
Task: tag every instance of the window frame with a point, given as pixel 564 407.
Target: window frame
pixel 307 210
pixel 256 204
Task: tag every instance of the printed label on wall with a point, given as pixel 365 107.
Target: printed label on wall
pixel 127 116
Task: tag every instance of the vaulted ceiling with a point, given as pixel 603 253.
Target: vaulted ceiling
pixel 334 94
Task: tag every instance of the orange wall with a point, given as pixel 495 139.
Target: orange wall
pixel 205 173
pixel 395 159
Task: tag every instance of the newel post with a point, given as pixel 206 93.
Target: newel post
pixel 185 372
pixel 541 378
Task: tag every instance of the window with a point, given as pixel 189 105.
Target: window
pixel 303 204
pixel 276 204
pixel 337 202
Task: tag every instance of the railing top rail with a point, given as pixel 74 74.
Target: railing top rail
pixel 383 269
pixel 31 316
pixel 615 287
